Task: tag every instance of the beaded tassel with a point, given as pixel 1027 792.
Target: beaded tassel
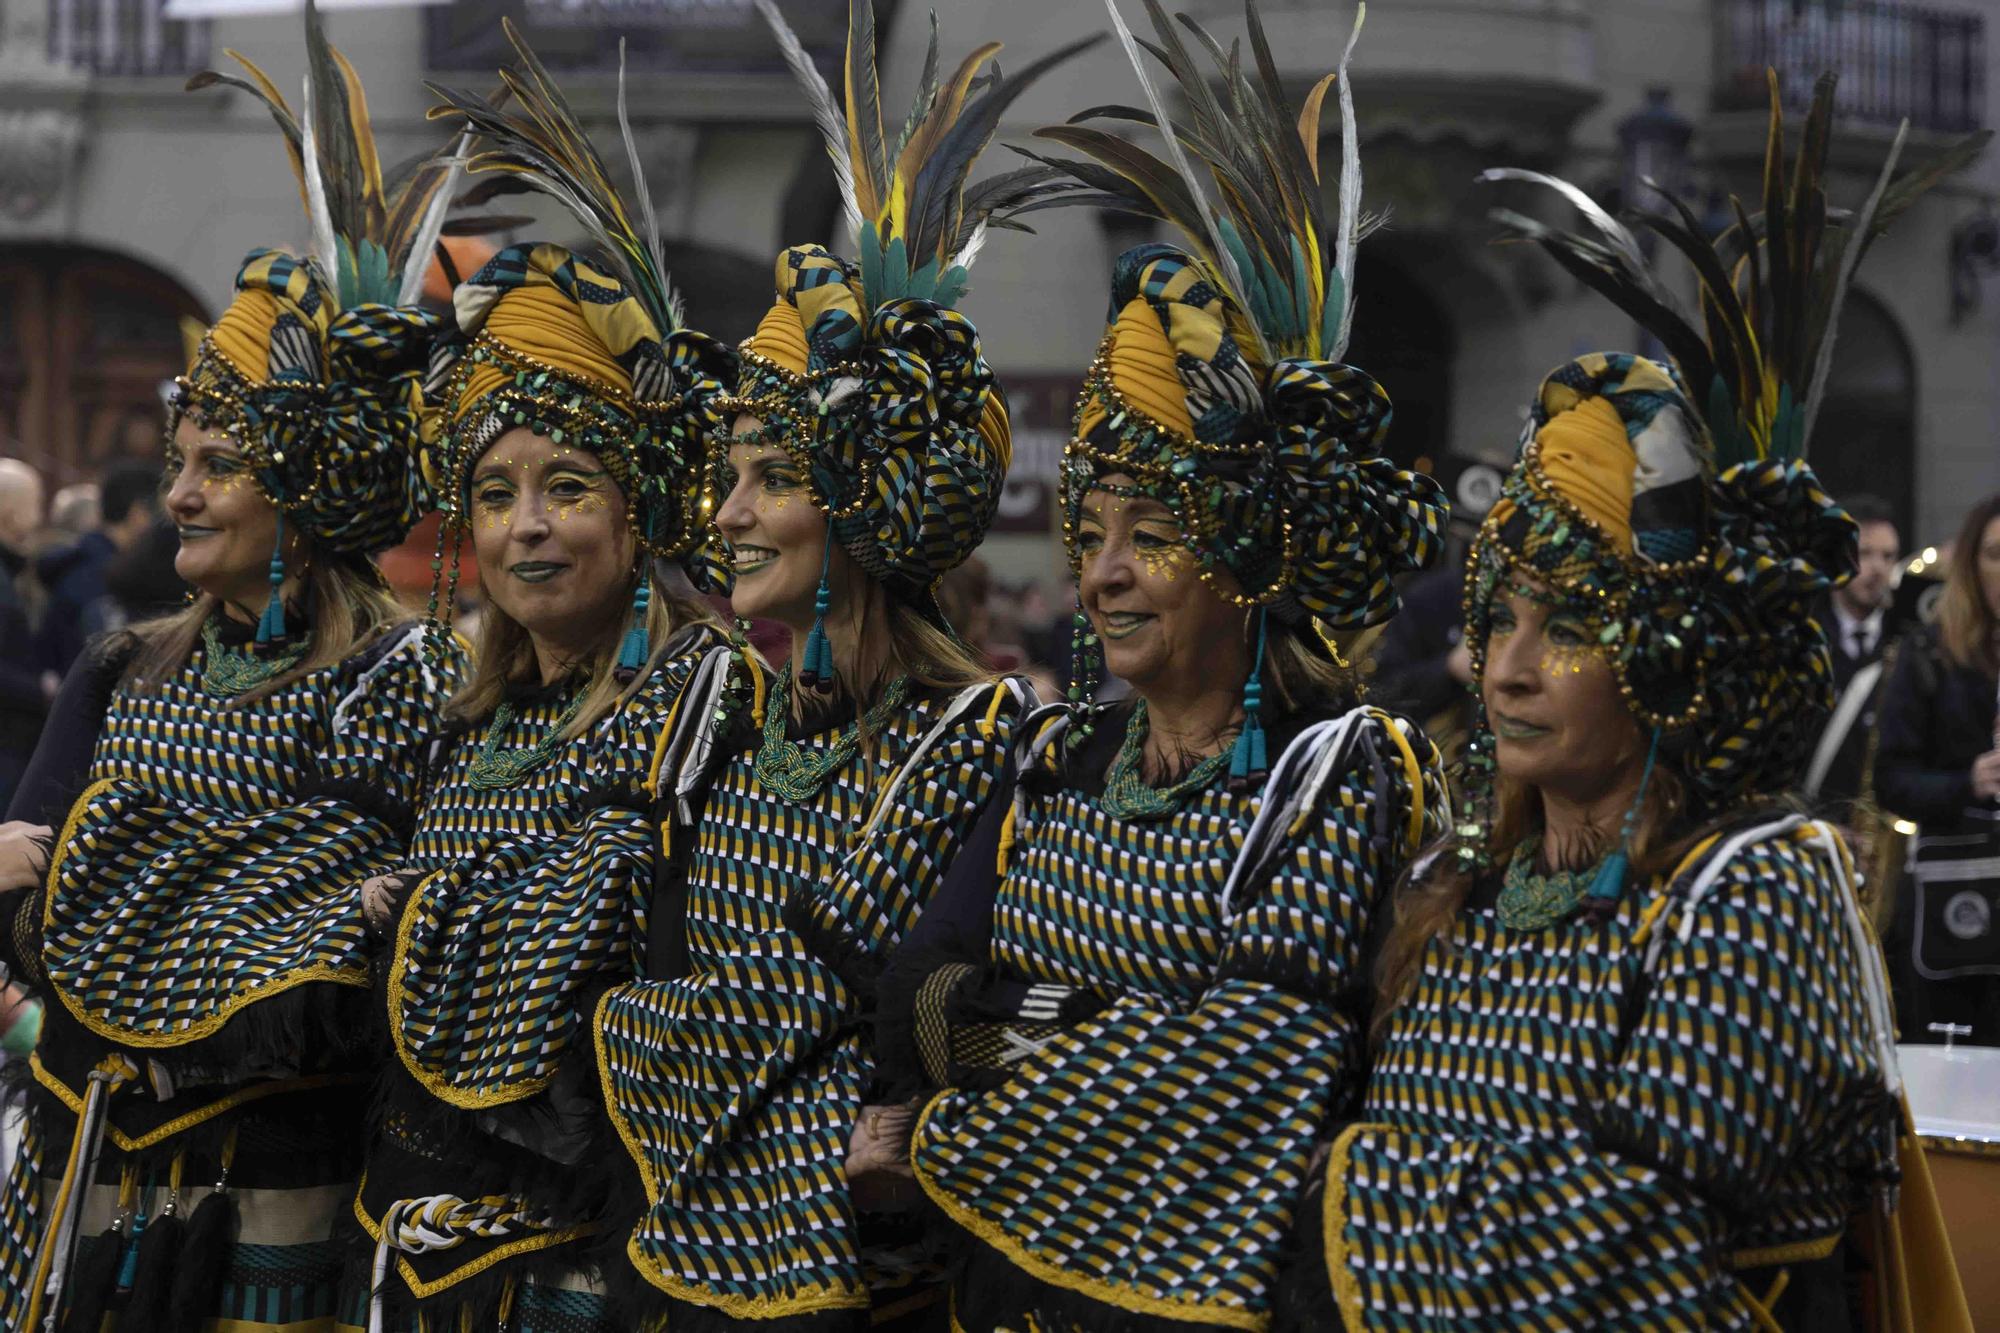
pixel 1248 762
pixel 271 626
pixel 1608 885
pixel 818 671
pixel 632 654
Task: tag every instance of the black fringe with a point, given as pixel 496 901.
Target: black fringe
pixel 992 1295
pixel 1302 1300
pixel 899 1067
pixel 160 1246
pixel 204 1261
pixel 92 1282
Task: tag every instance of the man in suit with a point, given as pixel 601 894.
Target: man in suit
pixel 1855 620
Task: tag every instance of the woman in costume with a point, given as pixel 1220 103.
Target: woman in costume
pixel 1937 761
pixel 195 1120
pixel 1633 1060
pixel 1135 1010
pixel 575 411
pixel 814 815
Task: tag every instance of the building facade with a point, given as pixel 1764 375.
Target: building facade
pixel 126 203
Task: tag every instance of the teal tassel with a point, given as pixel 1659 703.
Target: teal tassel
pixel 818 669
pixel 1249 761
pixel 632 654
pixel 128 1263
pixel 271 626
pixel 1608 885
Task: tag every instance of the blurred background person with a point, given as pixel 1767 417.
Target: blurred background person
pixel 25 688
pixel 1937 763
pixel 79 603
pixel 1855 618
pixel 73 511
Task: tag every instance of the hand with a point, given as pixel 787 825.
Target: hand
pixel 1986 776
pixel 878 1158
pixel 24 859
pixel 381 895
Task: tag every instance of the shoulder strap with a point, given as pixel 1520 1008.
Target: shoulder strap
pixel 688 743
pixel 992 694
pixel 1290 792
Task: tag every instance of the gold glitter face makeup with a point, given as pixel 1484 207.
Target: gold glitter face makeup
pixel 227 526
pixel 1552 693
pixel 553 537
pixel 775 534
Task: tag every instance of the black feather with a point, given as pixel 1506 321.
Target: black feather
pixel 197 1287
pixel 160 1245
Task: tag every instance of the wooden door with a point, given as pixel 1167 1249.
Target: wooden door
pixel 88 342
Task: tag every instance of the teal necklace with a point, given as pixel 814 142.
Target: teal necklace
pixel 1127 795
pixel 493 768
pixel 227 672
pixel 795 772
pixel 1532 899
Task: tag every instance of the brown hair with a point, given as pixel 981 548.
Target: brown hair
pixel 1967 627
pixel 504 657
pixel 350 608
pixel 1425 907
pixel 1302 674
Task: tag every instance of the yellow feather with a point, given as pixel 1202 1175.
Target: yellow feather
pixel 1309 120
pixel 364 135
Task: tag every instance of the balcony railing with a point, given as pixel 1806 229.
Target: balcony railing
pixel 125 37
pixel 1893 60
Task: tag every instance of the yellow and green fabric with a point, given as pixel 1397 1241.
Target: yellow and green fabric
pixel 735 1085
pixel 1275 471
pixel 201 935
pixel 528 896
pixel 1667 1120
pixel 543 340
pixel 891 412
pixel 1700 584
pixel 1141 1167
pixel 323 401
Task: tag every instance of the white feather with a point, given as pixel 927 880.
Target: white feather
pixel 325 248
pixel 973 244
pixel 1349 221
pixel 1196 186
pixel 651 224
pixel 419 261
pixel 827 113
pixel 1609 228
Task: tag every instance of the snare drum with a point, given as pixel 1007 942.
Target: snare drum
pixel 1955 1100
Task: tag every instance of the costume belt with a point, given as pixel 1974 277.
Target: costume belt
pixel 440 1222
pixel 58 1249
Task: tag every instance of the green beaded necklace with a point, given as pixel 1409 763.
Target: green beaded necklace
pixel 493 768
pixel 1128 795
pixel 796 772
pixel 227 672
pixel 1532 899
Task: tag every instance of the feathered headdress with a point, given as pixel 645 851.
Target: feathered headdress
pixel 914 216
pixel 1219 388
pixel 316 368
pixel 1241 180
pixel 1771 286
pixel 864 372
pixel 372 235
pixel 603 359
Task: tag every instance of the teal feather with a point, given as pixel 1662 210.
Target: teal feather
pixel 1329 317
pixel 1273 310
pixel 871 262
pixel 951 286
pixel 895 272
pixel 923 283
pixel 1239 254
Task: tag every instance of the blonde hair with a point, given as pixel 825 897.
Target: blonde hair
pixel 1967 627
pixel 350 608
pixel 504 656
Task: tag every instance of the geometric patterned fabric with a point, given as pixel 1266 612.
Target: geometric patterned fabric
pixel 736 1087
pixel 529 894
pixel 1150 1157
pixel 1560 1135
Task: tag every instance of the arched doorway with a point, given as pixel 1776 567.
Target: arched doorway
pixel 1403 338
pixel 87 339
pixel 1865 437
